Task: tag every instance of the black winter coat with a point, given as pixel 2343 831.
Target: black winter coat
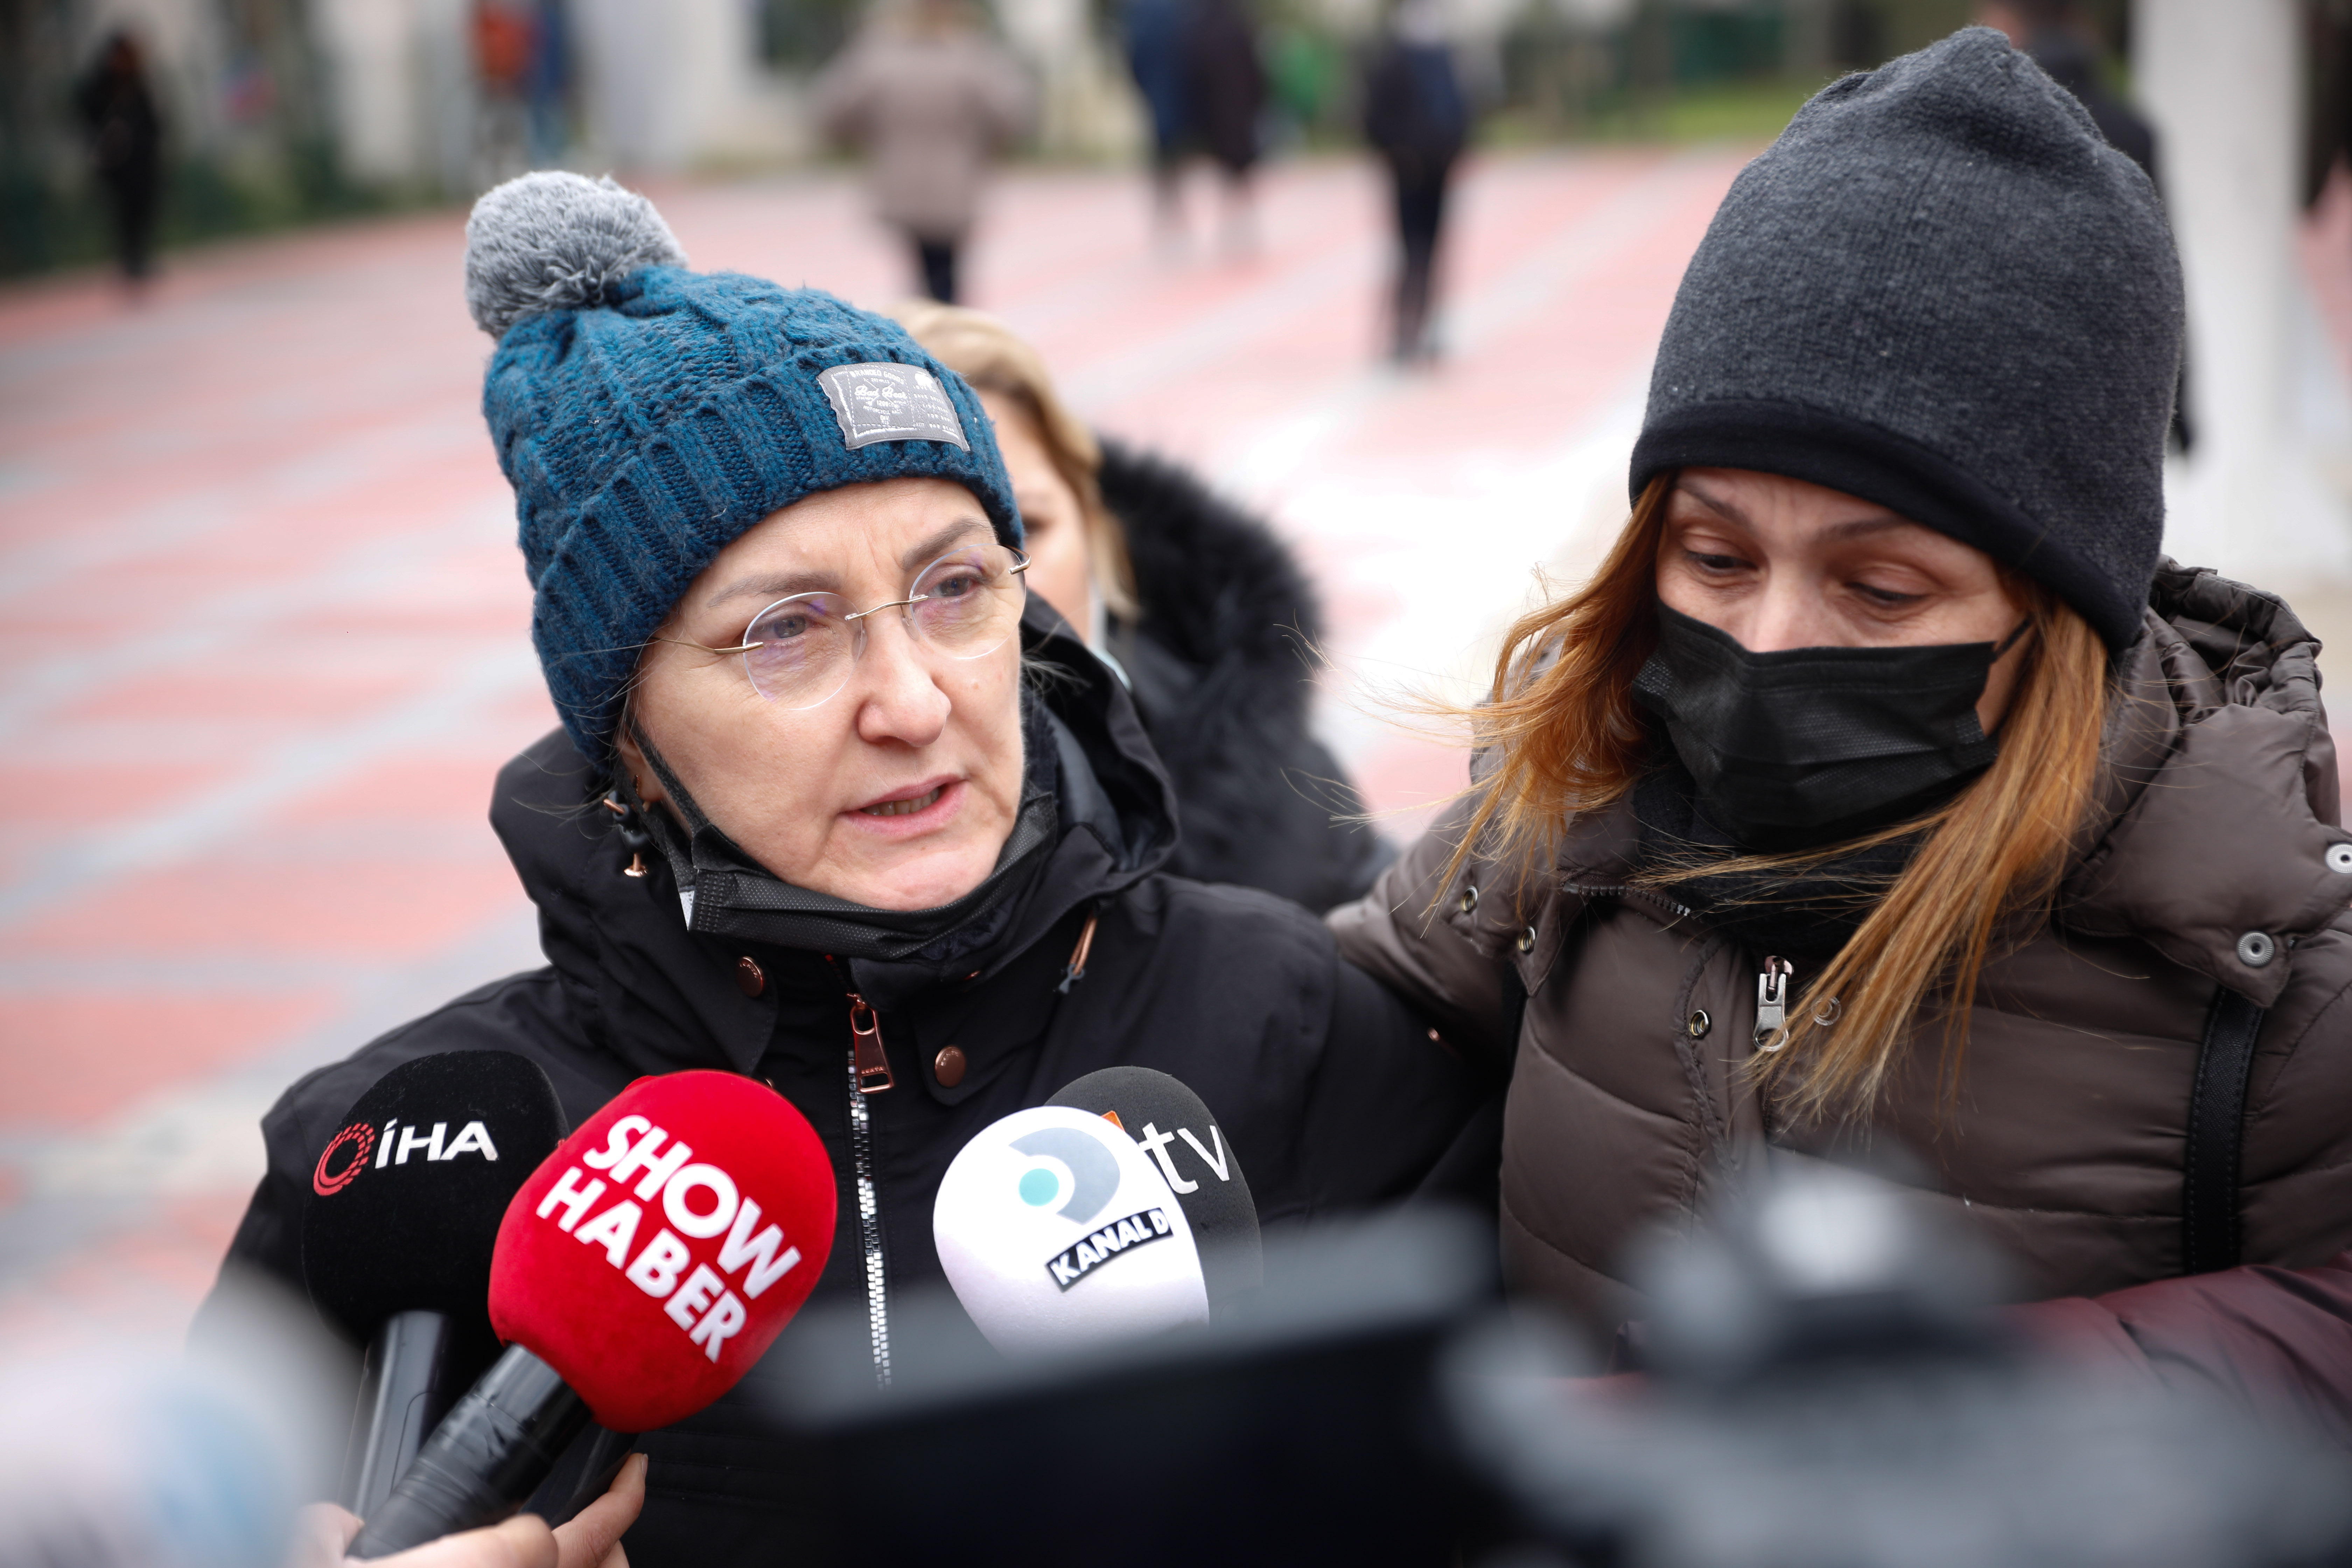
pixel 1414 115
pixel 1331 1093
pixel 1222 662
pixel 1223 82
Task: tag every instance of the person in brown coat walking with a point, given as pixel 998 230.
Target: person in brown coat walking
pixel 930 99
pixel 1887 792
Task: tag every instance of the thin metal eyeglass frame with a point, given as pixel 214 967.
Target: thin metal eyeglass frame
pixel 1020 565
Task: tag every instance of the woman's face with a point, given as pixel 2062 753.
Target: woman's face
pixel 1779 563
pixel 899 791
pixel 1054 525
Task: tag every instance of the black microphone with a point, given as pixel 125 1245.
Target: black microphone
pixel 1184 1141
pixel 405 1202
pixel 637 1275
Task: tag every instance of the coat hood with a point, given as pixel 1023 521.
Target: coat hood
pixel 1224 659
pixel 1219 590
pixel 663 998
pixel 2218 813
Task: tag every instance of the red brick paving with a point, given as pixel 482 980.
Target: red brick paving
pixel 265 639
pixel 71 1059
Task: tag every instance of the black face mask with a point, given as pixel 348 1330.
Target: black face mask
pixel 1815 744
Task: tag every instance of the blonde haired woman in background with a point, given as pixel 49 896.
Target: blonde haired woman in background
pixel 1200 608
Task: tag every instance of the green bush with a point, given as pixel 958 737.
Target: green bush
pixel 47 223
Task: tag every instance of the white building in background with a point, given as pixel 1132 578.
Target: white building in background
pixel 2262 495
pixel 195 66
pixel 659 85
pixel 1088 105
pixel 678 84
pixel 662 86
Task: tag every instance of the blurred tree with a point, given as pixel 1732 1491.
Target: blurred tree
pixel 1725 42
pixel 801 34
pixel 250 149
pixel 1857 34
pixel 1306 70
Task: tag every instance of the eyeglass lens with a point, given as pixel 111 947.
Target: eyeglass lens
pixel 965 605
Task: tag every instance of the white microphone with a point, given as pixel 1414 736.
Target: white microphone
pixel 1057 1231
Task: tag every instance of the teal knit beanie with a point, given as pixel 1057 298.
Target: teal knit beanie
pixel 647 415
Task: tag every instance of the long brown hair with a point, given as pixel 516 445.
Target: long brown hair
pixel 1562 736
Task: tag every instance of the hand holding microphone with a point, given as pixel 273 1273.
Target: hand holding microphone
pixel 589 1540
pixel 639 1273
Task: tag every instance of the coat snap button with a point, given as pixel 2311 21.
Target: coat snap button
pixel 1469 898
pixel 2339 857
pixel 749 979
pixel 1699 1024
pixel 2256 949
pixel 1528 940
pixel 949 1066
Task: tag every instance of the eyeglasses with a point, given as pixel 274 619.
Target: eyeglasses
pixel 798 651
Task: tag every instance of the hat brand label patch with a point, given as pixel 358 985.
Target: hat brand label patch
pixel 890 402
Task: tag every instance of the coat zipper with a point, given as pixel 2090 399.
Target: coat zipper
pixel 1651 894
pixel 1772 1004
pixel 869 1223
pixel 869 1074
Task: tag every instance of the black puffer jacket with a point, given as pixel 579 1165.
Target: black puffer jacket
pixel 1333 1095
pixel 1224 665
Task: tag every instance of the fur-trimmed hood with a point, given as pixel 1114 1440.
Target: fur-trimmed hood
pixel 1222 662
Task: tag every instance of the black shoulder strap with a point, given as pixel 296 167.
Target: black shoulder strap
pixel 2217 1125
pixel 1515 1014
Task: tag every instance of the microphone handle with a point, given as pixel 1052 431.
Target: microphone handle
pixel 601 1454
pixel 401 1398
pixel 485 1459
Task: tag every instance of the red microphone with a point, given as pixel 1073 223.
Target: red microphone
pixel 639 1273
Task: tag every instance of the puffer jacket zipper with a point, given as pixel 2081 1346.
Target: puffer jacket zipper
pixel 1652 895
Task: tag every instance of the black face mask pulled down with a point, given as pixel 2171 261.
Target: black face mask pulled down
pixel 726 892
pixel 1812 745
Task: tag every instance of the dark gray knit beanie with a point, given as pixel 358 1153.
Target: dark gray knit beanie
pixel 1942 290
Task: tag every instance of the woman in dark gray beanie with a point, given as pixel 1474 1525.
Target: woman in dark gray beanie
pixel 1887 787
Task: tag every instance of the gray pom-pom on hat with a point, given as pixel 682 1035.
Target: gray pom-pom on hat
pixel 556 241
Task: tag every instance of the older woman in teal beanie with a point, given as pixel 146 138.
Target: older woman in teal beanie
pixel 836 805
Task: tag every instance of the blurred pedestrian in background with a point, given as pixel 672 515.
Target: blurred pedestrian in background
pixel 2064 42
pixel 1416 117
pixel 126 147
pixel 1156 32
pixel 1198 605
pixel 930 99
pixel 505 44
pixel 1226 89
pixel 546 84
